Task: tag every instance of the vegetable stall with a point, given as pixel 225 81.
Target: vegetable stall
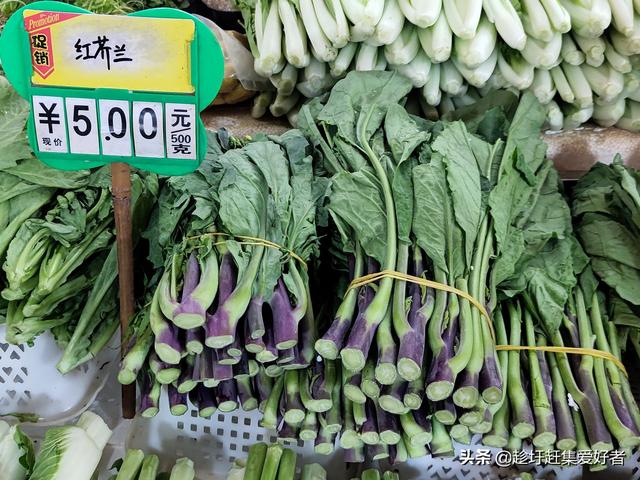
pixel 399 256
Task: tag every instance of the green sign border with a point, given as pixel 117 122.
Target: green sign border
pixel 207 72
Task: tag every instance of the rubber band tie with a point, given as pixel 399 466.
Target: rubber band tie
pixel 260 242
pixel 374 277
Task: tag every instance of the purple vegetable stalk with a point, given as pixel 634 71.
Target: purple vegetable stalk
pixel 445 411
pixel 226 395
pixel 582 386
pixel 545 434
pixel 207 363
pixel 252 345
pixel 441 341
pixel 294 410
pixel 167 288
pixel 223 357
pixel 522 421
pixel 204 400
pixel 411 328
pixel 288 431
pixel 354 355
pixel 222 372
pixel 351 386
pixel 186 381
pixel 221 326
pixel 307 337
pixel 242 369
pixel 270 352
pixel 149 394
pixel 388 426
pixel 199 290
pixel 354 455
pixel 254 321
pixel 195 340
pixel 331 343
pixel 167 343
pixel 262 385
pixel 379 451
pixel 565 429
pixel 177 401
pixel 286 356
pixel 392 398
pixel 245 394
pixel 285 324
pixel 369 431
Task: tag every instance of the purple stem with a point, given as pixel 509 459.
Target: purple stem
pixel 439 369
pixel 285 324
pixel 226 284
pixel 208 362
pixel 226 391
pixel 255 320
pixel 222 372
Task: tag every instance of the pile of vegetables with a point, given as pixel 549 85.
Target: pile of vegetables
pixel 57 245
pixel 606 209
pixel 70 452
pixel 405 366
pixel 232 243
pixel 272 462
pixel 577 58
pixel 137 466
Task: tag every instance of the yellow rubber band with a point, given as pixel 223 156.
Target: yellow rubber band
pixel 572 350
pixel 260 242
pixel 374 277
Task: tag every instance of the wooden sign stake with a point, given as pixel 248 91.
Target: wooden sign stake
pixel 121 192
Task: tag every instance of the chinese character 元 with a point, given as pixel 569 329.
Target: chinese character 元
pixel 48 117
pixel 39 40
pixel 181 117
pixel 41 58
pixel 119 51
pixel 467 457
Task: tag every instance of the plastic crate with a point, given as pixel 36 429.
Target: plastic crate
pixel 30 383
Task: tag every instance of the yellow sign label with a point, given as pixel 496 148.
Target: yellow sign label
pixel 107 51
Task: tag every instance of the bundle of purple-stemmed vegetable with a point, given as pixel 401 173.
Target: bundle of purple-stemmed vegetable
pixel 396 364
pixel 230 307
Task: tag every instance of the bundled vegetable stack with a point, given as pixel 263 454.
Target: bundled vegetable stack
pixel 237 236
pixel 138 466
pixel 57 245
pixel 271 462
pixel 578 58
pixel 70 452
pixel 412 207
pixel 606 209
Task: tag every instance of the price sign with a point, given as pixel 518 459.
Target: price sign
pixel 107 88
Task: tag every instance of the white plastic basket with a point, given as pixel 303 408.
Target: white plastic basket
pixel 214 443
pixel 30 383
